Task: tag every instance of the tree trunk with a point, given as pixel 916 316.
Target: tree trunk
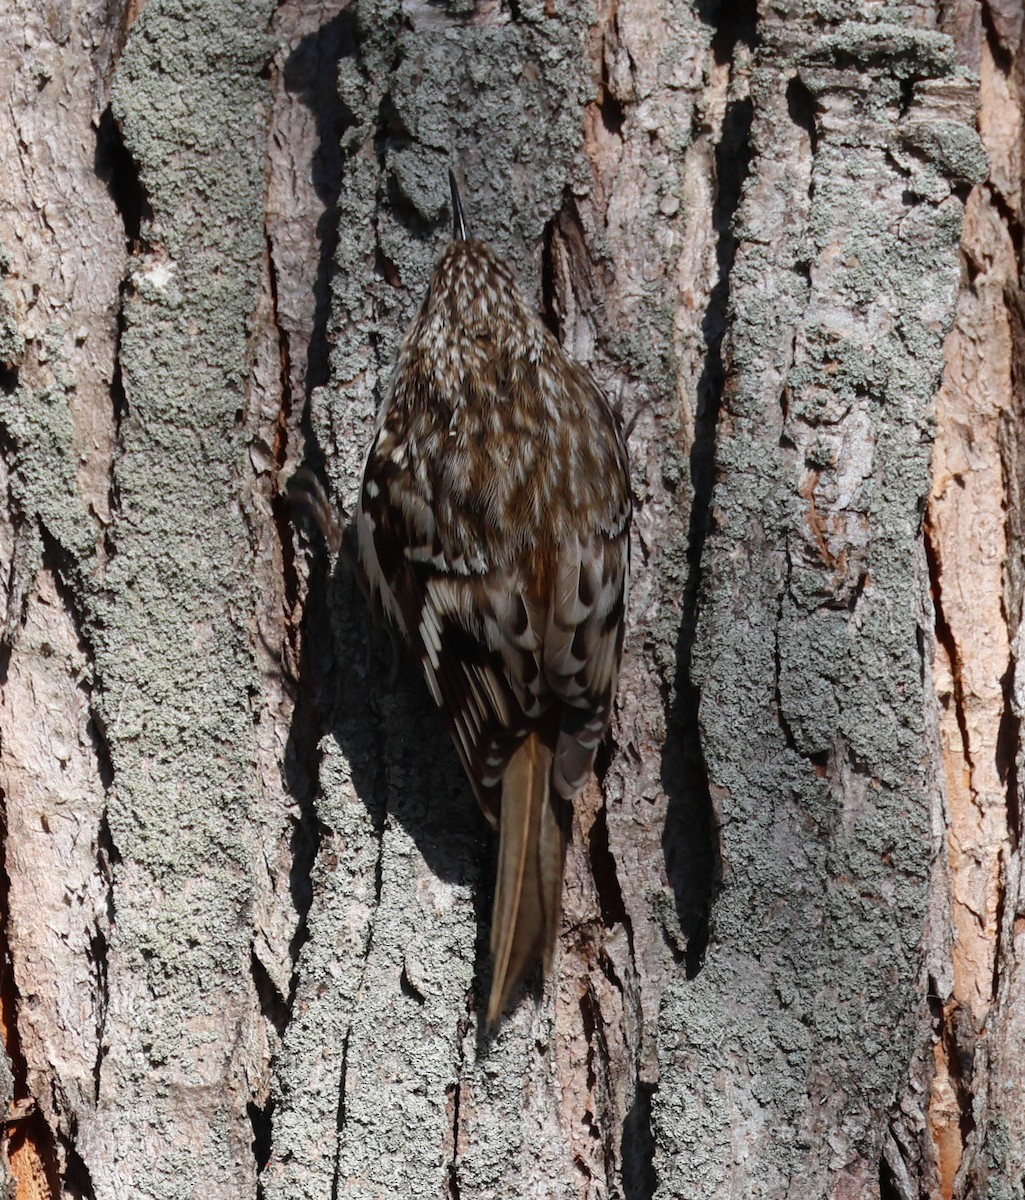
pixel 247 889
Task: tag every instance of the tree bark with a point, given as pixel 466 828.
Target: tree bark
pixel 246 889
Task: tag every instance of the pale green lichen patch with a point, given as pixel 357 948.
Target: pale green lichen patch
pixel 12 343
pixel 952 147
pixel 899 50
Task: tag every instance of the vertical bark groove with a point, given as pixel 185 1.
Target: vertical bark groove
pixel 971 546
pixel 697 873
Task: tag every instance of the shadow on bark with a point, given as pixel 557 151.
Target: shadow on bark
pixel 403 765
pixel 311 73
pixel 690 839
pixel 639 1181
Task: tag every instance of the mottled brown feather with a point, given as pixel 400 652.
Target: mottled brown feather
pixel 494 531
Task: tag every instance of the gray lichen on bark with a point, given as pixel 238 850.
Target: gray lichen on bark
pixel 12 343
pixel 169 618
pixel 814 621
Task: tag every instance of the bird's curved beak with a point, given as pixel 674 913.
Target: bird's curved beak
pixel 459 233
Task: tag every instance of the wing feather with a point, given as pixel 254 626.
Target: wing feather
pixel 582 650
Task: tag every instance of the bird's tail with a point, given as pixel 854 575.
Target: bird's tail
pixel 528 892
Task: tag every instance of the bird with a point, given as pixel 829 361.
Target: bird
pixel 493 533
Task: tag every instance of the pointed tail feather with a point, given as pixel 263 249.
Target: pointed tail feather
pixel 528 893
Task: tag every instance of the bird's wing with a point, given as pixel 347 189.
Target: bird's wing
pixel 583 644
pixel 475 631
pixel 583 639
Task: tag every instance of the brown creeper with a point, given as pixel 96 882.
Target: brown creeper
pixel 494 532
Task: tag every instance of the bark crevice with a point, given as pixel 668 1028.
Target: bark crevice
pixel 116 168
pixel 311 72
pixel 119 172
pixel 455 1096
pixel 691 805
pixel 29 1142
pixel 261 1118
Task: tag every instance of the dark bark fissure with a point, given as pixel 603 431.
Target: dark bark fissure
pixel 638 1147
pixel 690 842
pixel 590 1016
pixel 261 1119
pixel 11 347
pixel 340 1115
pixel 606 877
pixel 801 106
pixel 408 988
pixel 25 1124
pixel 1007 751
pixel 14 584
pixel 612 109
pixel 945 637
pixel 311 72
pixel 549 299
pixel 483 898
pixel 280 510
pixel 456 1093
pixel 274 1008
pixel 452 1175
pixel 8 370
pixel 78 1183
pixel 99 947
pixel 117 169
pixel 302 763
pixel 119 411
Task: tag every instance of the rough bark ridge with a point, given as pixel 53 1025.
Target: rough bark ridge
pixel 813 613
pixel 975 1139
pixel 132 819
pixel 246 887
